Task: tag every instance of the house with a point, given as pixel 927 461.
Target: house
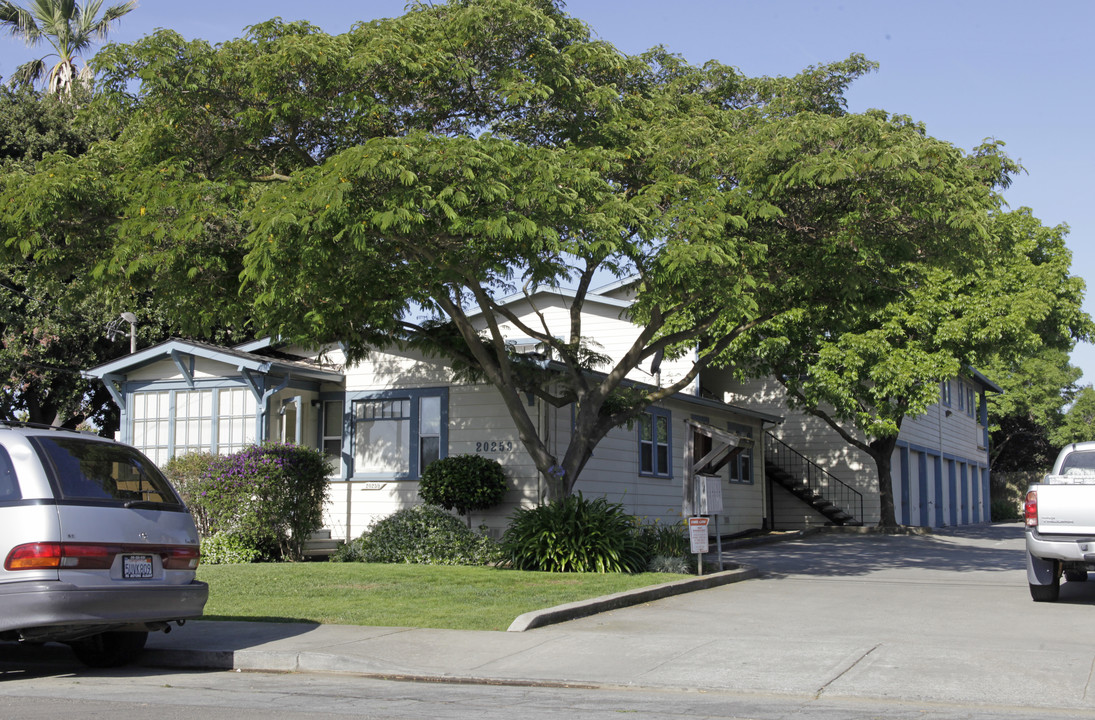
pixel 939 470
pixel 382 420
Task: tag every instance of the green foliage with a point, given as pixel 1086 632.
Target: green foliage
pixel 189 474
pixel 463 483
pixel 67 27
pixel 225 548
pixel 1025 419
pixel 1079 421
pixel 572 534
pixel 422 534
pixel 1002 304
pixel 1003 510
pixel 669 564
pixel 441 159
pixel 270 497
pixel 669 540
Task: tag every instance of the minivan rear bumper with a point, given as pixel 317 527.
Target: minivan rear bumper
pixel 32 608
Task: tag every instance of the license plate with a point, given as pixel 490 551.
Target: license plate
pixel 136 567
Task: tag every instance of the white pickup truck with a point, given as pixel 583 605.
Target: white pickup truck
pixel 1060 523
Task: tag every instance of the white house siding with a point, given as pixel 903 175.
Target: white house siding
pixel 933 453
pixel 479 423
pixel 605 325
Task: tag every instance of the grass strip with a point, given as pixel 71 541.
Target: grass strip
pixel 428 596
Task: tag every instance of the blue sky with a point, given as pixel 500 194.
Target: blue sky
pixel 1018 71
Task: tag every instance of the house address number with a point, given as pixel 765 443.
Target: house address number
pixel 494 446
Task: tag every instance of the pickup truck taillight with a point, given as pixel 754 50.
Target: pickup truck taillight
pixel 1030 508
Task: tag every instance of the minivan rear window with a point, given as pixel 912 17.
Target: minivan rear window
pixel 91 470
pixel 9 485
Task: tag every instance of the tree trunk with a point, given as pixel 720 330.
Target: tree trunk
pixel 882 452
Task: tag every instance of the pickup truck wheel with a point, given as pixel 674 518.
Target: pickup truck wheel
pixel 1076 575
pixel 1046 593
pixel 109 649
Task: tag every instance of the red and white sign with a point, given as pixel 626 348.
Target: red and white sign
pixel 697 533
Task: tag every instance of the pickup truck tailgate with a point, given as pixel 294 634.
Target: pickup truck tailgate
pixel 1065 509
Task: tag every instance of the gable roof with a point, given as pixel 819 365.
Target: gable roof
pixel 175 348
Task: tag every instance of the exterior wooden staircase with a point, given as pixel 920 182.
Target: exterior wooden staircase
pixel 836 500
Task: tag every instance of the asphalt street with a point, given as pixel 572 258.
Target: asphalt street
pixel 937 625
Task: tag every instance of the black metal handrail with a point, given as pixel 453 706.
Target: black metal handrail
pixel 814 476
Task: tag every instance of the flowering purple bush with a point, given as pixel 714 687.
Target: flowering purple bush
pixel 270 496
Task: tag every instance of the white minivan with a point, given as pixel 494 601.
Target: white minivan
pixel 97 547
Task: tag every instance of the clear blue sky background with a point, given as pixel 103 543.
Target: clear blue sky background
pixel 1015 70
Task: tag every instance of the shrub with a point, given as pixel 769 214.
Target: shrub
pixel 270 497
pixel 224 548
pixel 669 564
pixel 186 473
pixel 669 540
pixel 1005 510
pixel 573 534
pixel 463 483
pixel 423 534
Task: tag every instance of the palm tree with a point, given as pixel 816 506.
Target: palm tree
pixel 69 27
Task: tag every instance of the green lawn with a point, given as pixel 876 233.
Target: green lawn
pixel 459 598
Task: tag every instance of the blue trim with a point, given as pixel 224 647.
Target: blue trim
pixel 905 498
pixel 414 395
pixel 938 490
pixel 952 476
pixel 922 478
pixel 965 494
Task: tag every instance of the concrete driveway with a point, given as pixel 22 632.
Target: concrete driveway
pixel 944 618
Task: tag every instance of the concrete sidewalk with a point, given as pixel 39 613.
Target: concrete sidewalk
pixel 392 651
pixel 941 618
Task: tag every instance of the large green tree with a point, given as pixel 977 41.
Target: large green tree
pixel 1025 419
pixel 1077 424
pixel 431 164
pixel 1016 302
pixel 69 27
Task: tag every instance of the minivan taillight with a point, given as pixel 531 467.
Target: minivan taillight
pixel 180 558
pixel 34 556
pixel 91 556
pixel 1030 508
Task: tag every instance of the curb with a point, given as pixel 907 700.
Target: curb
pixel 584 608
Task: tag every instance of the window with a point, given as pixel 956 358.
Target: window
pixel 398 436
pixel 961 395
pixel 382 436
pixel 235 419
pixel 99 471
pixel 166 423
pixel 969 401
pixel 429 431
pixel 332 429
pixel 654 443
pixel 193 421
pixel 151 425
pixel 741 467
pixel 946 395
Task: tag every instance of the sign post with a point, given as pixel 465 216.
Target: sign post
pixel 709 502
pixel 697 534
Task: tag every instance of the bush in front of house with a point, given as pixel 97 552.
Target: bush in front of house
pixel 186 472
pixel 224 548
pixel 573 534
pixel 666 547
pixel 463 483
pixel 423 534
pixel 268 497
